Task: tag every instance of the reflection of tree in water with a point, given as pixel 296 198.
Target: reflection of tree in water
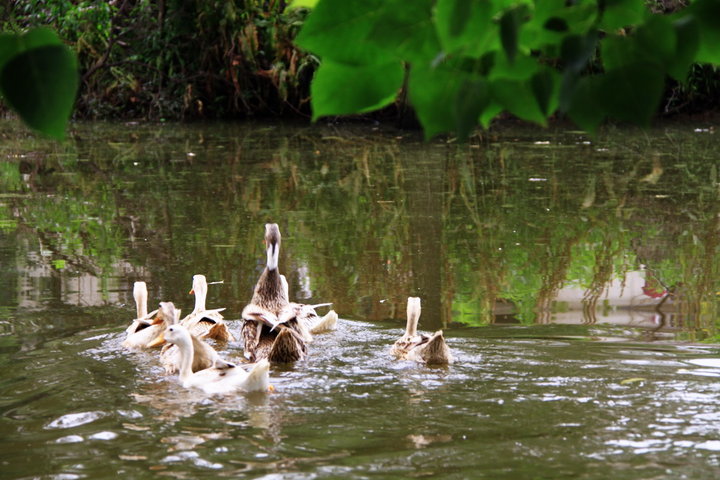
pixel 570 235
pixel 478 231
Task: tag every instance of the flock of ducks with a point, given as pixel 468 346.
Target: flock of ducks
pixel 274 330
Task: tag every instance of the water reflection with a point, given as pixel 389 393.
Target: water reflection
pixel 513 231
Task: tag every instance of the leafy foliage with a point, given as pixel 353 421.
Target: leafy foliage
pixel 469 60
pixel 178 58
pixel 39 79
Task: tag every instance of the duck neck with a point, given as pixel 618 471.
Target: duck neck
pixel 411 327
pixel 413 315
pixel 269 292
pixel 200 297
pixel 273 255
pixel 187 351
pixel 140 294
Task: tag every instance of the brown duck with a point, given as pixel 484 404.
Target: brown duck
pixel 429 349
pixel 271 327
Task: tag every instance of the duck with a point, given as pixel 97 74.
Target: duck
pixel 142 330
pixel 307 315
pixel 312 322
pixel 202 322
pixel 271 328
pixel 204 356
pixel 428 349
pixel 228 378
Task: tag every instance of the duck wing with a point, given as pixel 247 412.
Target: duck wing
pixel 258 314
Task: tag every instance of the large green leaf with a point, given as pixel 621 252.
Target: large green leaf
pixel 658 40
pixel 339 89
pixel 622 13
pixel 472 98
pixel 707 14
pixel 617 51
pixel 553 20
pixel 466 27
pixel 339 30
pixel 632 93
pixel 40 84
pixel 576 50
pixel 407 30
pixel 491 111
pixel 12 44
pixel 586 107
pixel 510 23
pixel 518 98
pixel 545 87
pixel 522 68
pixel 688 41
pixel 446 99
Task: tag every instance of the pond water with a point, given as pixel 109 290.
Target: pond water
pixel 576 281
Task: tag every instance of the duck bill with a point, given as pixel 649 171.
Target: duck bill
pixel 158 342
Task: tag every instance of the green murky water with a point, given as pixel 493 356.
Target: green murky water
pixel 576 281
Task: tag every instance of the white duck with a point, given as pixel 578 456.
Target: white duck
pixel 204 356
pixel 202 322
pixel 216 380
pixel 142 330
pixel 429 349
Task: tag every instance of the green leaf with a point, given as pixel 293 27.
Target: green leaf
pixel 339 89
pixel 302 4
pixel 339 30
pixel 707 15
pixel 457 23
pixel 522 68
pixel 576 50
pixel 407 30
pixel 491 111
pixel 618 51
pixel 446 99
pixel 656 38
pixel 11 44
pixel 509 31
pixel 518 98
pixel 40 85
pixel 9 47
pixel 544 85
pixel 688 41
pixel 632 93
pixel 552 20
pixel 472 98
pixel 586 106
pixel 622 13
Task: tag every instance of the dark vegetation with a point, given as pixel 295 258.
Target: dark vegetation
pixel 178 59
pixel 194 59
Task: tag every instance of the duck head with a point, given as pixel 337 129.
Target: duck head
pixel 167 315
